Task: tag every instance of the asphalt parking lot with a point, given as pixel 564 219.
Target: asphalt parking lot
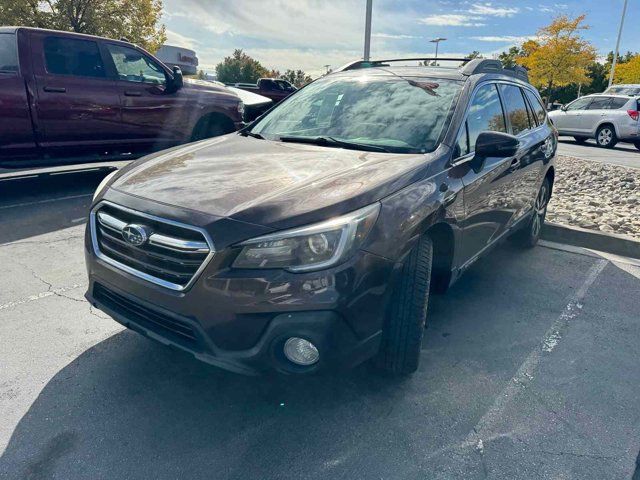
pixel 530 369
pixel 623 154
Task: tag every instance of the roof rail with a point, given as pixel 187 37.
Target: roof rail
pixel 485 65
pixel 357 64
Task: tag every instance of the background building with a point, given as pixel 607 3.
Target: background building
pixel 177 56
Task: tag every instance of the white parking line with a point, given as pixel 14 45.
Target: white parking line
pixel 39 296
pixel 525 374
pixel 49 200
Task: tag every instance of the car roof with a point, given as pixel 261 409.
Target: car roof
pixel 63 33
pixel 404 71
pixel 617 95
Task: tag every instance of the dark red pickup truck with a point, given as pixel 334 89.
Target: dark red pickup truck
pixel 70 97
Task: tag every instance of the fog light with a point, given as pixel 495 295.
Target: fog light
pixel 301 351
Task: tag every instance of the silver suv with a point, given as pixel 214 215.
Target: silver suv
pixel 607 118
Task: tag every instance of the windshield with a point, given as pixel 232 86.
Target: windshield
pixel 396 113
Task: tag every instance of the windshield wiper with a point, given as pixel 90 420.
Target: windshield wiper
pixel 251 134
pixel 326 141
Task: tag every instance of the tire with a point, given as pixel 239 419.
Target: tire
pixel 637 144
pixel 580 140
pixel 606 136
pixel 402 333
pixel 211 126
pixel 529 235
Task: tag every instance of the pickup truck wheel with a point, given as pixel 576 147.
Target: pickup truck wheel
pixel 529 235
pixel 606 137
pixel 211 126
pixel 404 327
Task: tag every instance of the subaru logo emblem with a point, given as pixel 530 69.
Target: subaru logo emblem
pixel 134 234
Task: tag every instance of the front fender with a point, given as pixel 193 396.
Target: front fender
pixel 410 212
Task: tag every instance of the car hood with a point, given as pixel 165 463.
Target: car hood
pixel 269 183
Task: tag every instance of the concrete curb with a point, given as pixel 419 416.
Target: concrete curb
pixel 605 242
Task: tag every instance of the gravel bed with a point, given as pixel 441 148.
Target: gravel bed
pixel 596 196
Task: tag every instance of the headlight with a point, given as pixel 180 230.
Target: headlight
pixel 309 248
pixel 103 184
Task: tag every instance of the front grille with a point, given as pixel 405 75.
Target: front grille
pixel 176 329
pixel 161 251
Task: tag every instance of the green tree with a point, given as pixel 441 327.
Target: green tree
pixel 559 56
pixel 509 57
pixel 475 54
pixel 297 77
pixel 136 20
pixel 240 67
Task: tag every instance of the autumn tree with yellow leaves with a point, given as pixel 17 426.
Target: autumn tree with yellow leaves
pixel 628 72
pixel 136 20
pixel 558 56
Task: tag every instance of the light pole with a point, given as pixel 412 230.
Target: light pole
pixel 367 31
pixel 327 66
pixel 437 42
pixel 615 55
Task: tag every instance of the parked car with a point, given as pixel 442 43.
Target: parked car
pixel 254 104
pixel 273 88
pixel 314 237
pixel 631 89
pixel 608 119
pixel 68 95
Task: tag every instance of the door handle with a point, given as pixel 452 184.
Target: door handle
pixel 55 89
pixel 129 93
pixel 515 164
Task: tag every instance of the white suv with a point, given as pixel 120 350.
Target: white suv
pixel 607 118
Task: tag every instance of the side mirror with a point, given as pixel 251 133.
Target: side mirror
pixel 176 82
pixel 494 144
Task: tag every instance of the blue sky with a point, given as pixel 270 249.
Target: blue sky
pixel 309 34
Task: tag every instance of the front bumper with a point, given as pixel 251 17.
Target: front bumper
pixel 239 319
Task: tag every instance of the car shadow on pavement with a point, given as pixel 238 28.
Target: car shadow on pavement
pixel 50 202
pixel 130 408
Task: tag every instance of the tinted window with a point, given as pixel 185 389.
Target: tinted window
pixel 598 103
pixel 538 109
pixel 579 104
pixel 485 113
pixel 617 103
pixel 516 108
pixel 401 115
pixel 69 56
pixel 134 66
pixel 8 53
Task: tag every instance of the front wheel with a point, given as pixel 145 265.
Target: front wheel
pixel 606 137
pixel 404 327
pixel 528 237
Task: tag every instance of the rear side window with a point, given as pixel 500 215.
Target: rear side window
pixel 485 114
pixel 516 108
pixel 618 102
pixel 598 103
pixel 8 53
pixel 538 109
pixel 70 56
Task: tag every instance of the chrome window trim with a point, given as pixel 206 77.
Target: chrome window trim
pixel 137 273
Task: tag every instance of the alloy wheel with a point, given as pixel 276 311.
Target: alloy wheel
pixel 605 136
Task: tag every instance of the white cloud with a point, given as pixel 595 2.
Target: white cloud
pixel 451 20
pixel 493 11
pixel 503 38
pixel 174 38
pixel 392 36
